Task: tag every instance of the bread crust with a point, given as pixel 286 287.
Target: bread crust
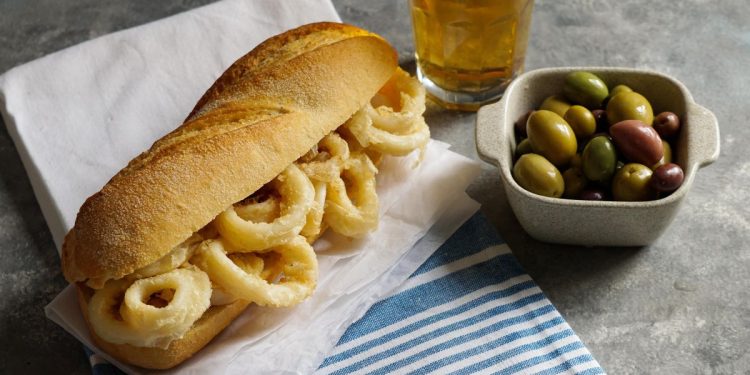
pixel 263 113
pixel 213 321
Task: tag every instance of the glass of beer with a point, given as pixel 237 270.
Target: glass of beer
pixel 468 51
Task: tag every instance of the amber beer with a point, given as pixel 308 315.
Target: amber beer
pixel 468 51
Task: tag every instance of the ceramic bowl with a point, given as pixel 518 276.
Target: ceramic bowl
pixel 596 223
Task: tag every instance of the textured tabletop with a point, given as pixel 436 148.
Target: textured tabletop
pixel 681 305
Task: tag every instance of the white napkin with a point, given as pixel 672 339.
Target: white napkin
pixel 79 115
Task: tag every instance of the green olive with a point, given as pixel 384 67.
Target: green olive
pixel 599 159
pixel 537 175
pixel 575 182
pixel 629 105
pixel 557 104
pixel 618 89
pixel 551 137
pixel 667 158
pixel 632 183
pixel 581 120
pixel 524 147
pixel 585 88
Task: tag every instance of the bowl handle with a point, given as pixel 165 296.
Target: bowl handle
pixel 489 135
pixel 706 128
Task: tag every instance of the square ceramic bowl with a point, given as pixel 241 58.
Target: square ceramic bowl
pixel 596 223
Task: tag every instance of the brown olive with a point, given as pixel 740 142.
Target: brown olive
pixel 637 141
pixel 592 194
pixel 667 178
pixel 600 116
pixel 667 124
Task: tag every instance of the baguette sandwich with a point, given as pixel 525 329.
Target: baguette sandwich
pixel 221 212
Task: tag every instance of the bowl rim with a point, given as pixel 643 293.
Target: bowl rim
pixel 502 107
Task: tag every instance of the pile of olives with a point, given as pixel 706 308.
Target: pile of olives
pixel 607 142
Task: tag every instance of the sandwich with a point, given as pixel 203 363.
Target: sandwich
pixel 222 212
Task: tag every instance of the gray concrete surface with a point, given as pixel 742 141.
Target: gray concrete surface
pixel 679 306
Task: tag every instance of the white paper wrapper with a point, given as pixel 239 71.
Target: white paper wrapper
pixel 79 115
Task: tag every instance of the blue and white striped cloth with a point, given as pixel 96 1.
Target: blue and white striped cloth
pixel 470 308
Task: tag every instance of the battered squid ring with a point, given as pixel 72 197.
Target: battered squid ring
pixel 141 324
pixel 175 258
pixel 297 195
pixel 297 282
pixel 313 227
pixel 326 166
pixel 355 217
pixel 395 127
pixel 263 211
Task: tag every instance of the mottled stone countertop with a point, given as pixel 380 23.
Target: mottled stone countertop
pixel 679 306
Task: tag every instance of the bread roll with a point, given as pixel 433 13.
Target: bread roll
pixel 267 110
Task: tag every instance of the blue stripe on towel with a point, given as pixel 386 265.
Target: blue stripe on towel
pixel 465 314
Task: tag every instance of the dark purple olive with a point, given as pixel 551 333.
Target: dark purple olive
pixel 637 141
pixel 520 124
pixel 592 194
pixel 667 177
pixel 667 124
pixel 600 116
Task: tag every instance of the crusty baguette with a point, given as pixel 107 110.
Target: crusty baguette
pixel 268 109
pixel 213 321
pixel 263 113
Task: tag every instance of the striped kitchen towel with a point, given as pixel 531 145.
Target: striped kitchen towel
pixel 470 308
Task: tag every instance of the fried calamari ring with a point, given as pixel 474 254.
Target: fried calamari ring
pixel 391 125
pixel 313 226
pixel 326 162
pixel 297 195
pixel 186 292
pixel 175 258
pixel 296 261
pixel 353 210
pixel 264 211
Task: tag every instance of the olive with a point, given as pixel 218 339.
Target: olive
pixel 581 120
pixel 667 158
pixel 629 105
pixel 637 142
pixel 537 175
pixel 524 147
pixel 599 160
pixel 667 124
pixel 632 183
pixel 618 89
pixel 585 88
pixel 520 124
pixel 667 177
pixel 557 104
pixel 592 194
pixel 574 181
pixel 575 161
pixel 551 137
pixel 600 116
